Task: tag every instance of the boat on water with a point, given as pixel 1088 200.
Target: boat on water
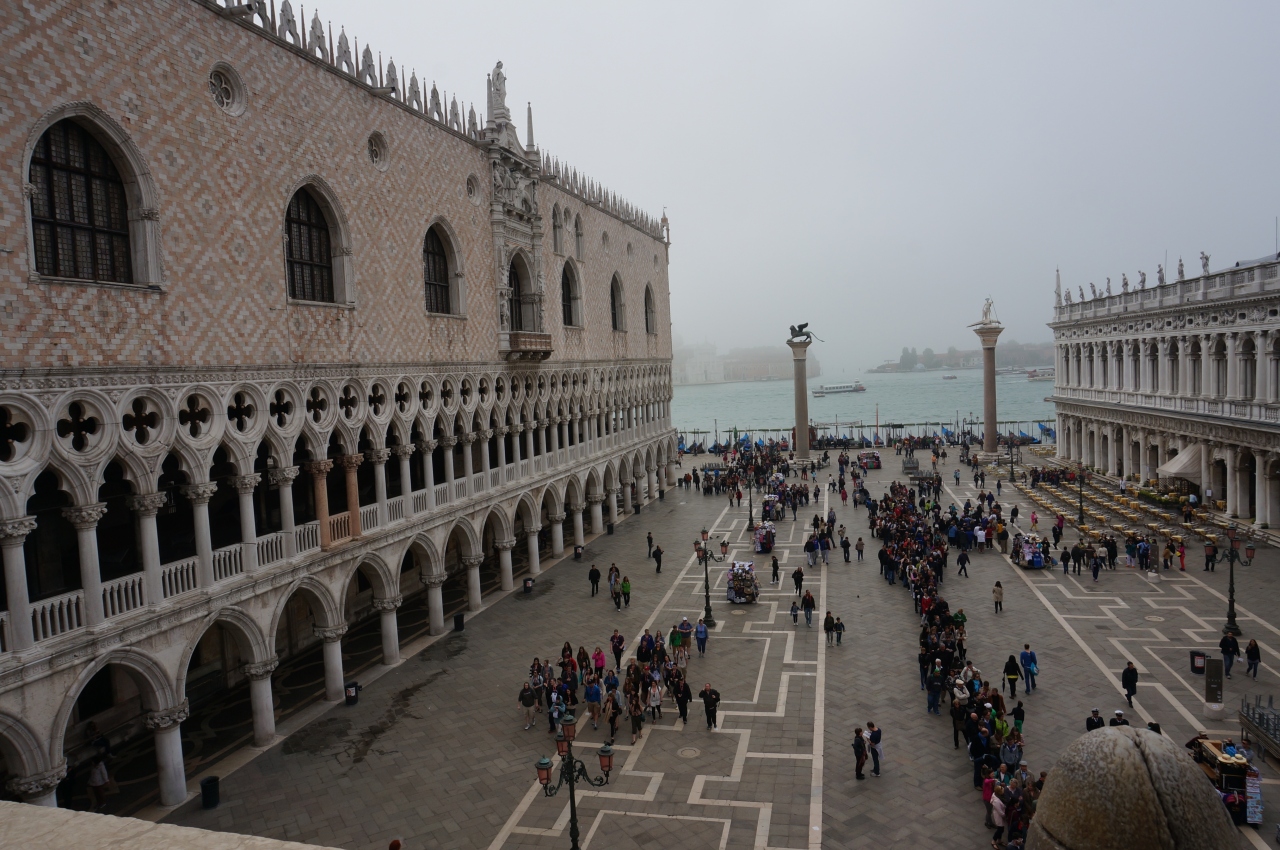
pixel 948 377
pixel 1040 374
pixel 833 389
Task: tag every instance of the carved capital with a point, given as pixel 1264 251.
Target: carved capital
pixel 37 784
pixel 283 476
pixel 350 463
pixel 504 545
pixel 595 498
pixel 85 516
pixel 166 717
pixel 318 468
pixel 449 442
pixel 532 531
pixel 17 529
pixel 200 493
pixel 149 214
pixel 149 504
pixel 246 484
pixel 330 633
pixel 436 581
pixel 402 451
pixel 502 430
pixel 517 427
pixel 487 433
pixel 472 562
pixel 556 518
pixel 260 669
pixel 377 456
pixel 428 446
pixel 577 508
pixel 388 604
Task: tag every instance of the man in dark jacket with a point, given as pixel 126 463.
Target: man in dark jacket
pixel 1230 652
pixel 656 554
pixel 683 696
pixel 934 684
pixel 1129 679
pixel 1093 721
pixel 710 700
pixel 593 576
pixel 1118 720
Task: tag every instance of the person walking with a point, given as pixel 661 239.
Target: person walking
pixel 859 752
pixel 829 626
pixel 845 546
pixel 1012 673
pixel 593 576
pixel 100 779
pixel 840 634
pixel 1129 680
pixel 963 562
pixel 700 635
pixel 1030 667
pixel 798 578
pixel 997 595
pixel 1210 557
pixel 795 613
pixel 617 595
pixel 808 603
pixel 859 547
pixel 777 576
pixel 635 708
pixel 710 700
pixel 626 591
pixel 874 747
pixel 617 643
pixel 1253 657
pixel 656 554
pixel 1230 652
pixel 648 538
pixel 683 695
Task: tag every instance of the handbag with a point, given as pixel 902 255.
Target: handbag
pixel 1035 669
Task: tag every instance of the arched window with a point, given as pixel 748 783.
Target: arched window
pixel 557 231
pixel 79 213
pixel 435 274
pixel 650 313
pixel 577 237
pixel 617 306
pixel 568 297
pixel 516 303
pixel 310 256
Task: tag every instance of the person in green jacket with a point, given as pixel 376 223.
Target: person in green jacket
pixel 626 592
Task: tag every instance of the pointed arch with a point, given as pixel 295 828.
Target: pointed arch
pixel 248 635
pixel 154 686
pixel 317 244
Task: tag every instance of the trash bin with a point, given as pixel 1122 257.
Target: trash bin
pixel 352 690
pixel 662 495
pixel 1197 661
pixel 608 528
pixel 209 797
pixel 459 622
pixel 637 508
pixel 528 585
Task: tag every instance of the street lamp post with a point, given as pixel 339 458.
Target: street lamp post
pixel 1232 557
pixel 1080 521
pixel 705 557
pixel 572 771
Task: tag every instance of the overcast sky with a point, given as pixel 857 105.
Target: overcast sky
pixel 877 169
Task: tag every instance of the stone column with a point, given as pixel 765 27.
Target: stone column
pixel 333 683
pixel 557 533
pixel 486 435
pixel 39 789
pixel 468 461
pixel 1233 502
pixel 386 609
pixel 319 470
pixel 403 456
pixel 595 500
pixel 1060 449
pixel 579 537
pixel 531 543
pixel 146 507
pixel 435 603
pixel 13 533
pixel 1113 440
pixel 1162 370
pixel 613 504
pixel 1184 367
pixel 472 563
pixel 501 433
pixel 528 440
pixel 261 701
pixel 504 548
pixel 378 457
pixel 1260 512
pixel 988 331
pixel 245 485
pixel 447 443
pixel 516 445
pixel 1206 466
pixel 350 463
pixel 800 374
pixel 282 479
pixel 171 771
pixel 198 495
pixel 428 450
pixel 85 521
pixel 651 482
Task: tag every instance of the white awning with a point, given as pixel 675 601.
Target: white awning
pixel 1185 464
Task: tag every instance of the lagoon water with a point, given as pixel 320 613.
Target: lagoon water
pixel 762 406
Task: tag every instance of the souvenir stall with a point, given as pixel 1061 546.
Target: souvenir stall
pixel 765 535
pixel 742 585
pixel 1029 552
pixel 769 508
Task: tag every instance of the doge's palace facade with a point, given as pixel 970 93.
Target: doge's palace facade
pixel 288 338
pixel 1178 380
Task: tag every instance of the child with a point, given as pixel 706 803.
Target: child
pixel 795 613
pixel 839 631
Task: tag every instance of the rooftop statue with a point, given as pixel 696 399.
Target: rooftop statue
pixel 1093 290
pixel 1124 284
pixel 1142 280
pixel 1204 262
pixel 1160 275
pixel 1108 286
pixel 1182 275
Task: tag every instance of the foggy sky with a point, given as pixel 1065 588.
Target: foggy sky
pixel 877 169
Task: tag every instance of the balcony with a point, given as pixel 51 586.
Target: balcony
pixel 525 345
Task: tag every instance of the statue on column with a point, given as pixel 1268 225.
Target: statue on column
pixel 1204 263
pixel 1142 280
pixel 1160 275
pixel 799 332
pixel 1057 289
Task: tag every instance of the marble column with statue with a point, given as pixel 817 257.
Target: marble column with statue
pixel 799 344
pixel 988 329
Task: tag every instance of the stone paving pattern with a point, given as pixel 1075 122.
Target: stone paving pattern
pixel 435 753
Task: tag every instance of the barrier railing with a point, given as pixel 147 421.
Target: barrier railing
pixel 58 615
pixel 369 517
pixel 123 594
pixel 420 501
pixel 395 508
pixel 306 537
pixel 178 576
pixel 442 494
pixel 226 562
pixel 339 527
pixel 270 549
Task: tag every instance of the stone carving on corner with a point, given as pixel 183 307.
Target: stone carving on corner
pixel 368 73
pixel 315 39
pixel 288 24
pixel 343 59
